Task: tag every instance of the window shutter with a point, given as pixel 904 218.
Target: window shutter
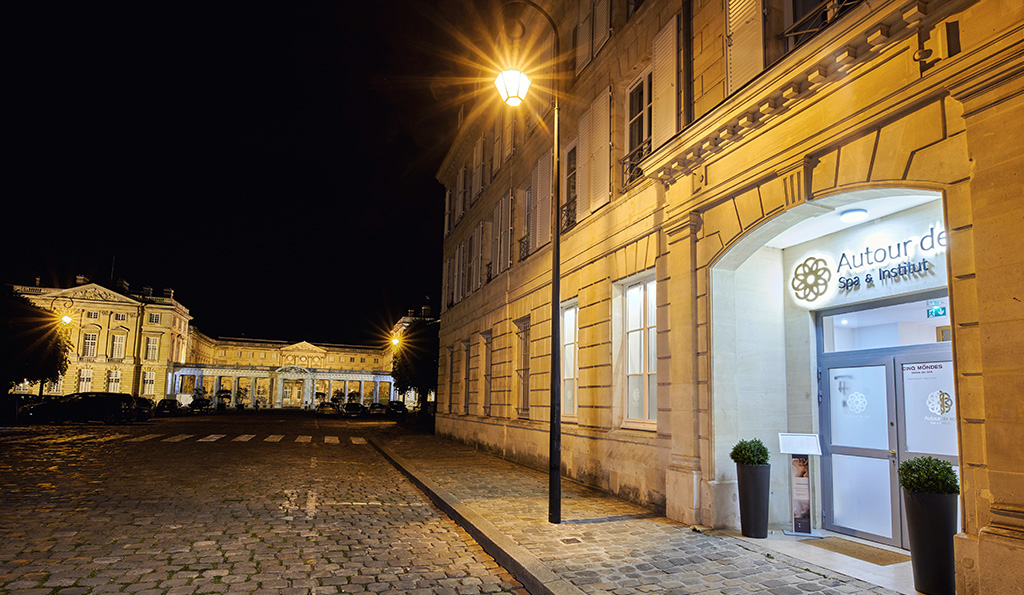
pixel 665 92
pixel 600 147
pixel 744 44
pixel 486 250
pixel 583 166
pixel 602 23
pixel 584 35
pixel 460 194
pixel 505 249
pixel 496 239
pixel 496 149
pixel 447 210
pixel 542 194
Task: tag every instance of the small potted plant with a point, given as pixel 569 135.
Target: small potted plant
pixel 753 475
pixel 930 490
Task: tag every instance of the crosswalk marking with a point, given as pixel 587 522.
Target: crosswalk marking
pixel 109 438
pixel 102 439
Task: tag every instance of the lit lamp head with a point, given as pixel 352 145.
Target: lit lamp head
pixel 395 341
pixel 66 319
pixel 512 86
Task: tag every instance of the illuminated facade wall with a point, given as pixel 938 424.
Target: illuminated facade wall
pixel 684 157
pixel 140 343
pixel 122 342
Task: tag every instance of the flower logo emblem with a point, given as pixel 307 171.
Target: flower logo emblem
pixel 857 402
pixel 939 402
pixel 810 280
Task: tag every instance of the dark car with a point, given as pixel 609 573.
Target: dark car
pixel 143 408
pixel 378 409
pixel 111 408
pixel 169 407
pixel 354 409
pixel 326 410
pixel 200 405
pixel 397 408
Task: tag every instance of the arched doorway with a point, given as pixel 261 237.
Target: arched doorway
pixel 836 327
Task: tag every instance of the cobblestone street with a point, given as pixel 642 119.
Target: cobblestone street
pixel 253 503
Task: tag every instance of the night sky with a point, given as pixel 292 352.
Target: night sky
pixel 272 163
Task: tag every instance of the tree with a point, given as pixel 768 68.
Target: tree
pixel 415 362
pixel 33 344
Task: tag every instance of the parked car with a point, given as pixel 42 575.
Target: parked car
pixel 354 410
pixel 200 405
pixel 326 410
pixel 378 409
pixel 111 408
pixel 397 408
pixel 169 407
pixel 143 408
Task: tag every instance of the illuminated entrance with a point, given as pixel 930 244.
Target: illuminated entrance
pixel 823 324
pixel 886 396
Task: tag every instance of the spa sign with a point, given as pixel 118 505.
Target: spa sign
pixel 881 262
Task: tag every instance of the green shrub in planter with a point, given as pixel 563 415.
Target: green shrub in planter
pixel 929 494
pixel 928 475
pixel 749 452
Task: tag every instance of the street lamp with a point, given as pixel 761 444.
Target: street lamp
pixel 513 85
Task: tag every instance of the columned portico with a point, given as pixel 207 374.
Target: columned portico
pixel 276 378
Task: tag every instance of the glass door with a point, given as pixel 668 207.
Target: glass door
pixel 860 438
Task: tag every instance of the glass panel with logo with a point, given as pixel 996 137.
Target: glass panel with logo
pixel 911 323
pixel 930 408
pixel 859 407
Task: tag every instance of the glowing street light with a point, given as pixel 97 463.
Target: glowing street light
pixel 512 85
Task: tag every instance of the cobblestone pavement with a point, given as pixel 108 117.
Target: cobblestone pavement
pixel 250 503
pixel 603 545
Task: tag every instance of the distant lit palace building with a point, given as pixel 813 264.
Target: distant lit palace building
pixel 142 343
pixel 775 217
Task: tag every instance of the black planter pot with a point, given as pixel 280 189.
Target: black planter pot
pixel 754 483
pixel 931 521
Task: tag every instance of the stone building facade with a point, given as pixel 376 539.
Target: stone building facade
pixel 122 341
pixel 712 285
pixel 144 344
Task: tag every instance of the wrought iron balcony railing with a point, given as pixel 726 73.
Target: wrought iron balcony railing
pixel 817 19
pixel 568 218
pixel 631 171
pixel 524 247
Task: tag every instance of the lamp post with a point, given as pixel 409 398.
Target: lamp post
pixel 513 85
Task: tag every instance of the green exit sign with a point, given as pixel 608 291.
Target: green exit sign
pixel 936 311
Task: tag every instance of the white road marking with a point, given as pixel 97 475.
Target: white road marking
pixel 178 438
pixel 274 438
pixel 244 438
pixel 212 438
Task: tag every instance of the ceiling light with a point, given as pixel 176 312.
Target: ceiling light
pixel 853 215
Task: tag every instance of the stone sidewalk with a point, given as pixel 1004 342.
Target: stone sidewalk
pixel 604 544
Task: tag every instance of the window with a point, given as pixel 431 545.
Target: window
pixel 488 371
pixel 152 348
pixel 640 318
pixel 92 315
pixel 451 379
pixel 568 211
pixel 154 318
pixel 638 127
pixel 84 380
pixel 117 343
pixel 114 381
pixel 120 316
pixel 467 354
pixel 570 358
pixel 591 31
pixel 89 344
pixel 148 383
pixel 523 365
